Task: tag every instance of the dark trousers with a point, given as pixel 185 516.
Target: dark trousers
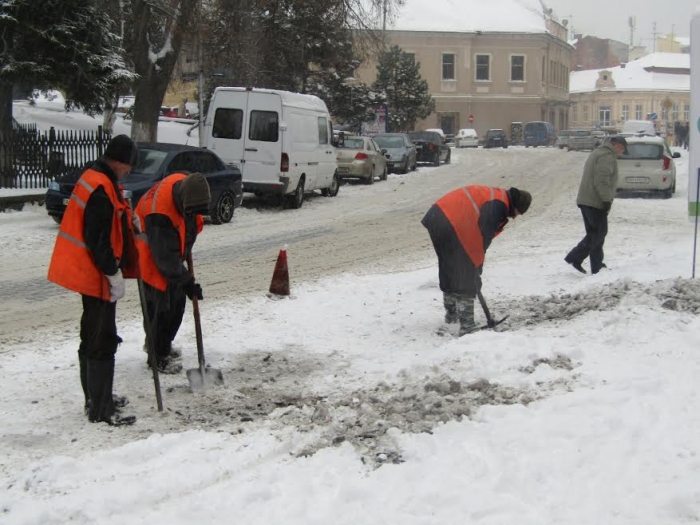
pixel 98 344
pixel 595 221
pixel 165 312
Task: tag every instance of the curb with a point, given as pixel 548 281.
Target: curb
pixel 17 202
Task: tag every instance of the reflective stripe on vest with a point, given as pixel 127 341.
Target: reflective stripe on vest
pixel 462 207
pixel 72 265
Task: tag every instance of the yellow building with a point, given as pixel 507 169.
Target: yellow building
pixel 657 85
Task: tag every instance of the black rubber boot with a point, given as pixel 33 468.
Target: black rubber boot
pixel 465 314
pixel 100 381
pixel 450 303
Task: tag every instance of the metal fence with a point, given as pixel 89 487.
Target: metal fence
pixel 32 159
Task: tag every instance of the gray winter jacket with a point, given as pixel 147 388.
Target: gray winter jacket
pixel 599 180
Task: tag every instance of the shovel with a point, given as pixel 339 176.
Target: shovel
pixel 490 322
pixel 203 376
pixel 149 345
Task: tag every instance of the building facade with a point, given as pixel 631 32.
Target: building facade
pixel 591 52
pixel 490 77
pixel 654 87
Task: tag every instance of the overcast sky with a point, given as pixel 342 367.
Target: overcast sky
pixel 609 18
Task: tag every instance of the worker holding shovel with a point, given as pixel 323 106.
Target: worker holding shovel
pixel 170 218
pixel 462 225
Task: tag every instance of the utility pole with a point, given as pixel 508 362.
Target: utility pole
pixel 633 26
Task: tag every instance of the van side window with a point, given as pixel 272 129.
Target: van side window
pixel 264 126
pixel 322 130
pixel 228 124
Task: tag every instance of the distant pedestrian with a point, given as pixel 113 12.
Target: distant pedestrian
pixel 170 218
pixel 95 249
pixel 595 196
pixel 462 225
pixel 686 135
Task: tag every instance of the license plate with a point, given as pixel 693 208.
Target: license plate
pixel 638 180
pixel 343 170
pixel 65 202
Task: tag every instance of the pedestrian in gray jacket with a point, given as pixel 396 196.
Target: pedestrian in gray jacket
pixel 595 197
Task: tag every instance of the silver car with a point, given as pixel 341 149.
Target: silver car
pixel 647 167
pixel 582 139
pixel 400 151
pixel 361 158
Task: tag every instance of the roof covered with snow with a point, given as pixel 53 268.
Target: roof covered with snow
pixel 468 16
pixel 636 77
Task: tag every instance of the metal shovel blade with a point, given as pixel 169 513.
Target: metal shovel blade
pixel 200 379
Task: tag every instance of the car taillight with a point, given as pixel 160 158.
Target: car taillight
pixel 361 156
pixel 667 162
pixel 431 147
pixel 284 166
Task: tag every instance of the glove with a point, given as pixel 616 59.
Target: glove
pixel 193 289
pixel 607 206
pixel 136 223
pixel 117 287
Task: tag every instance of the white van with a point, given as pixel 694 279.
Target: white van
pixel 280 141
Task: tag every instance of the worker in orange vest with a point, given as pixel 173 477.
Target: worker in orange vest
pixel 170 218
pixel 95 250
pixel 462 225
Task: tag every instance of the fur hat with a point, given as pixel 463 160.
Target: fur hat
pixel 194 191
pixel 520 199
pixel 122 149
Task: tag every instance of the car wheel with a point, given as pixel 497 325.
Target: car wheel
pixel 415 165
pixel 58 218
pixel 222 211
pixel 384 175
pixel 296 199
pixel 436 162
pixel 370 179
pixel 404 168
pixel 333 190
pixel 449 157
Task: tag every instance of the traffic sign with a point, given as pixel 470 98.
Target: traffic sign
pixel 471 118
pixel 653 116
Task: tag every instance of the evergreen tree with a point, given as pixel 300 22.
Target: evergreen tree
pixel 69 45
pixel 407 94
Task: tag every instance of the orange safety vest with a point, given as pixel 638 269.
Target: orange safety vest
pixel 462 207
pixel 72 265
pixel 159 199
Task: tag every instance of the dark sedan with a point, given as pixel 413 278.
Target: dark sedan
pixel 495 138
pixel 430 147
pixel 156 161
pixel 400 151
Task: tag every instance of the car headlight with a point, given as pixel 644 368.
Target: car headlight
pixel 53 185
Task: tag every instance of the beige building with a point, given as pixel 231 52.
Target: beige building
pixel 482 65
pixel 655 85
pixel 672 44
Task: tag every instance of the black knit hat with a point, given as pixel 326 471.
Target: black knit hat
pixel 520 199
pixel 194 191
pixel 122 149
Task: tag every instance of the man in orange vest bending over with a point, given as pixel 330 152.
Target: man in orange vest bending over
pixel 170 216
pixel 95 249
pixel 462 225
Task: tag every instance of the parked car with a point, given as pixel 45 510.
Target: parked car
pixel 582 139
pixel 431 147
pixel 439 132
pixel 400 151
pixel 467 138
pixel 495 138
pixel 639 127
pixel 600 135
pixel 156 161
pixel 648 167
pixel 361 158
pixel 539 133
pixel 563 139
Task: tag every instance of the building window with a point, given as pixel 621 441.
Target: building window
pixel 638 112
pixel 448 66
pixel 574 113
pixel 605 116
pixel 483 67
pixel 543 69
pixel 686 112
pixel 625 112
pixel 585 112
pixel 517 68
pixel 674 115
pixel 552 72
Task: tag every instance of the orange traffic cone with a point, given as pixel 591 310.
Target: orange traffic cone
pixel 280 278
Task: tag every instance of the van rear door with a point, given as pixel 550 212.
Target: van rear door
pixel 227 113
pixel 263 141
